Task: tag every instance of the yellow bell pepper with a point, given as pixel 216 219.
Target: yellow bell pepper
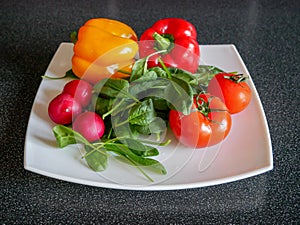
pixel 103 48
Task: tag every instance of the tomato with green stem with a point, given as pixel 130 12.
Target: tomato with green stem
pixel 232 89
pixel 208 123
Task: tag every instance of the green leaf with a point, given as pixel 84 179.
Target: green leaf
pixel 125 129
pixel 148 76
pixel 156 126
pixel 139 148
pixel 112 88
pixel 159 103
pixel 147 162
pixel 177 92
pixel 144 130
pixel 96 159
pixel 179 95
pixel 160 72
pixel 103 105
pixel 144 89
pixel 183 75
pixel 142 113
pixel 71 74
pixel 138 69
pixel 66 136
pixel 205 73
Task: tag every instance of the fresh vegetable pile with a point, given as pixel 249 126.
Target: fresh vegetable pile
pixel 115 102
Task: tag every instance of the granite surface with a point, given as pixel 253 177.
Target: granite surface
pixel 267 36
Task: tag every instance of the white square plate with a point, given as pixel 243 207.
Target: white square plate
pixel 246 152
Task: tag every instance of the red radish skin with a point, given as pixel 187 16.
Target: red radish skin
pixel 90 125
pixel 63 108
pixel 80 90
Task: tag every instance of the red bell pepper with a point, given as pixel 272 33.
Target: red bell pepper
pixel 177 40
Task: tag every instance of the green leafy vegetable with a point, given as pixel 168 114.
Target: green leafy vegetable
pixel 205 73
pixel 112 88
pixel 179 95
pixel 142 113
pixel 66 136
pixel 96 159
pixel 139 148
pixel 156 126
pixel 145 89
pixel 103 105
pixel 147 162
pixel 139 69
pixel 97 153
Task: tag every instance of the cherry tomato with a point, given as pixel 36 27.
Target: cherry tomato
pixel 63 108
pixel 232 90
pixel 90 125
pixel 80 90
pixel 208 123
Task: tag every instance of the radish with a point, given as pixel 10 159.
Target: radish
pixel 63 108
pixel 90 125
pixel 80 90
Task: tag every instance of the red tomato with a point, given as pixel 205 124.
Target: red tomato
pixel 208 123
pixel 232 89
pixel 80 90
pixel 90 125
pixel 63 108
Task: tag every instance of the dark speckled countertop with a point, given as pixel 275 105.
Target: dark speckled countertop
pixel 267 35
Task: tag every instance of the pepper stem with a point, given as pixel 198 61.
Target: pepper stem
pixel 162 42
pixel 74 37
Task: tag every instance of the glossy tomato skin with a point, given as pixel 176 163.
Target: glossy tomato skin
pixel 197 130
pixel 63 108
pixel 81 90
pixel 236 96
pixel 90 125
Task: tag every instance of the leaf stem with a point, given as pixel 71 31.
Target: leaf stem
pixel 112 109
pixel 147 58
pixel 69 74
pixel 121 123
pixel 125 72
pixel 98 149
pixel 74 37
pixel 165 68
pixel 167 142
pixel 136 166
